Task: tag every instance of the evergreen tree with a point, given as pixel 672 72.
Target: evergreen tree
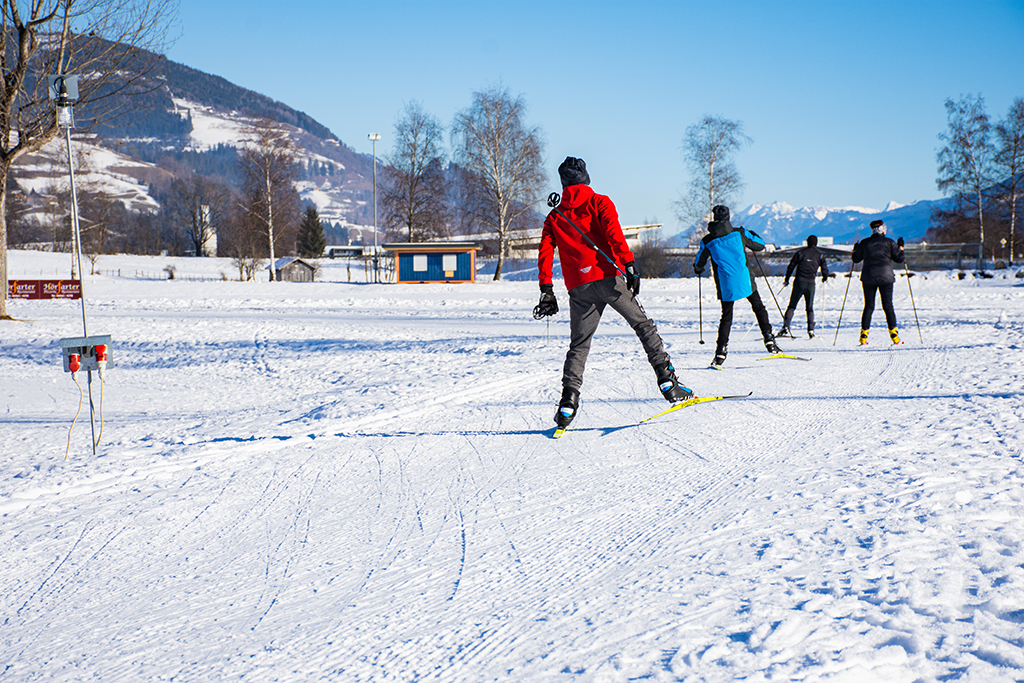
pixel 311 240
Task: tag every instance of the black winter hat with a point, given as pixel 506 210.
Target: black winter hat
pixel 573 171
pixel 720 213
pixel 812 241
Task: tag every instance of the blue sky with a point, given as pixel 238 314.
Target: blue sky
pixel 843 99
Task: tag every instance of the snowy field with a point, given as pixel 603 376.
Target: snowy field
pixel 354 482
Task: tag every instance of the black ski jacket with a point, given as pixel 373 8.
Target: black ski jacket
pixel 878 253
pixel 806 263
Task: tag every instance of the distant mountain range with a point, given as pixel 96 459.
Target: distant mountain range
pixel 196 121
pixel 782 224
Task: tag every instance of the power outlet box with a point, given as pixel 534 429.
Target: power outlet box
pixel 85 348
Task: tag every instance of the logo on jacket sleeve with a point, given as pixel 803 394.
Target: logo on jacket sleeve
pixel 586 270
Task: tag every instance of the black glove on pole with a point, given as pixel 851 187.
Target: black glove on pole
pixel 548 303
pixel 632 278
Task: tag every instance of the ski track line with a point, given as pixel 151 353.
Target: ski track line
pixel 430 405
pixel 296 536
pixel 94 483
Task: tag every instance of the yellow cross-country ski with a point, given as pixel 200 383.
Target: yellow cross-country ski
pixel 694 401
pixel 783 355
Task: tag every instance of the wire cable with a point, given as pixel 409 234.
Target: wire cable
pixel 81 398
pixel 99 436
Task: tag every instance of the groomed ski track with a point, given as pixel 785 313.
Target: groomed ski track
pixel 356 482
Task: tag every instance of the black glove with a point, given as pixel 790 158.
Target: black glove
pixel 899 242
pixel 824 278
pixel 697 270
pixel 632 278
pixel 785 283
pixel 548 304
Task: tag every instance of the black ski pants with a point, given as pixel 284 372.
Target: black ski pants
pixel 760 312
pixel 885 293
pixel 805 291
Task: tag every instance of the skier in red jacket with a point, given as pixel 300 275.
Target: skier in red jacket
pixel 594 280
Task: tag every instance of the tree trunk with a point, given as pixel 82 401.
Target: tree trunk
pixel 981 227
pixel 5 169
pixel 1013 221
pixel 270 230
pixel 502 238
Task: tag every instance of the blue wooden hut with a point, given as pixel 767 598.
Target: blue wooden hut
pixel 434 261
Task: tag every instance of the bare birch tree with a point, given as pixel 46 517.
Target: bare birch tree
pixel 268 169
pixel 414 192
pixel 503 157
pixel 965 162
pixel 1010 162
pixel 709 147
pixel 110 44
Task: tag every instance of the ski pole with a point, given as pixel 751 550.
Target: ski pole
pixel 700 310
pixel 553 201
pixel 823 301
pixel 907 271
pixel 769 285
pixel 841 308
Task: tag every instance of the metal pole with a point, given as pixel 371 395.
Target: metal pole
pixel 700 310
pixel 77 233
pixel 906 270
pixel 843 307
pixel 374 139
pixel 769 285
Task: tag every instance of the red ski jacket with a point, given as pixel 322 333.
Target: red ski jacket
pixel 595 215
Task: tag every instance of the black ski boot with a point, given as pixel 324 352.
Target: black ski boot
pixel 669 385
pixel 769 343
pixel 720 355
pixel 567 407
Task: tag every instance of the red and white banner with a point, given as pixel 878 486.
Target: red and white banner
pixel 44 289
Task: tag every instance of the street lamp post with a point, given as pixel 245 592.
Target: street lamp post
pixel 64 91
pixel 374 137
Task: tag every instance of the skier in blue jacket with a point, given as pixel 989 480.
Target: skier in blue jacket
pixel 726 246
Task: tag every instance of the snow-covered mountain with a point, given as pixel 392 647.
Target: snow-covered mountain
pixel 781 223
pixel 196 122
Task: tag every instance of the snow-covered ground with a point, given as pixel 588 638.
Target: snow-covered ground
pixel 356 482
